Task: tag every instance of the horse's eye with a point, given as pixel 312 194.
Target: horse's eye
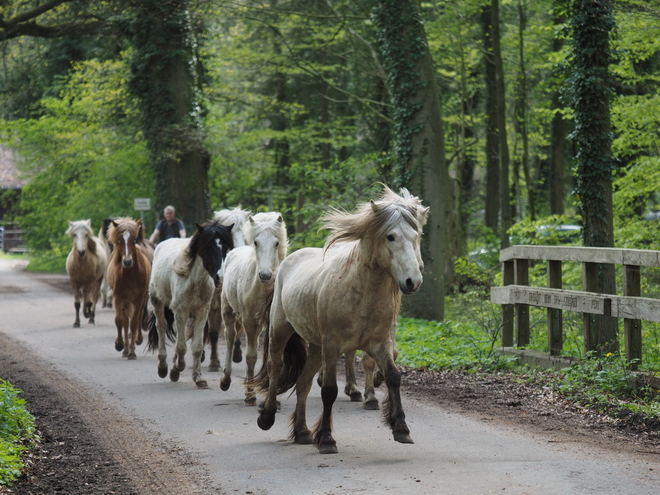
pixel 390 238
pixel 277 243
pixel 255 244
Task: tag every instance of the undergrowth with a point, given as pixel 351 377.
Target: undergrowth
pixel 17 433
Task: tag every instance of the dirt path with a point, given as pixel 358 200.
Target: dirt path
pixel 92 444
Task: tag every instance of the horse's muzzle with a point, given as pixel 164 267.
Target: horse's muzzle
pixel 81 252
pixel 127 262
pixel 410 286
pixel 265 276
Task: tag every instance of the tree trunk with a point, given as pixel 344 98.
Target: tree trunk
pixel 164 79
pixel 558 145
pixel 522 110
pixel 505 197
pixel 420 139
pixel 591 22
pixel 492 215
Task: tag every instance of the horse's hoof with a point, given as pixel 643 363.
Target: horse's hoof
pixel 138 340
pixel 379 378
pixel 251 401
pixel 237 355
pixel 162 372
pixel 265 421
pixel 328 448
pixel 224 384
pixel 202 384
pixel 304 438
pixel 371 405
pixel 214 367
pixel 119 346
pixel 124 353
pixel 76 324
pixel 92 322
pixel 174 375
pixel 356 396
pixel 131 356
pixel 403 437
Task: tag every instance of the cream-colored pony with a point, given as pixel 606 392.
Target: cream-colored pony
pixel 247 286
pixel 236 217
pixel 86 265
pixel 329 301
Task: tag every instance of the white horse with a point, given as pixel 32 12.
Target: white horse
pixel 106 291
pixel 236 217
pixel 247 286
pixel 183 277
pixel 329 301
pixel 86 265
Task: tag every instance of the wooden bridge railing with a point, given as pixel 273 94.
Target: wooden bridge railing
pixel 516 295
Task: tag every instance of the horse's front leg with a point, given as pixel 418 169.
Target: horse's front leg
pixel 329 390
pixel 197 347
pixel 136 330
pixel 179 359
pixel 370 400
pixel 392 407
pixel 351 388
pixel 299 431
pixel 229 321
pixel 119 323
pixel 252 338
pixel 214 326
pixel 76 305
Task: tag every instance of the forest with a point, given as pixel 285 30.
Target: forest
pixel 507 117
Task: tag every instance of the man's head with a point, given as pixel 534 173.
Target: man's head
pixel 169 212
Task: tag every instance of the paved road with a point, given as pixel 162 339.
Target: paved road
pixel 452 454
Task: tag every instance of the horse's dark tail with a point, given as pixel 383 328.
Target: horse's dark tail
pixel 295 357
pixel 152 338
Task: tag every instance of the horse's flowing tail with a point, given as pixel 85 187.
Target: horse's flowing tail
pixel 152 337
pixel 295 357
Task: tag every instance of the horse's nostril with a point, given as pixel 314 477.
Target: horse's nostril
pixel 409 284
pixel 265 276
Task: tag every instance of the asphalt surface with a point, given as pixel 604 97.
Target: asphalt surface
pixel 452 454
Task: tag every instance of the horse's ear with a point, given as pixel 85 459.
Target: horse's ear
pixel 139 221
pixel 374 206
pixel 199 227
pixel 251 219
pixel 230 227
pixel 280 219
pixel 89 222
pixel 115 224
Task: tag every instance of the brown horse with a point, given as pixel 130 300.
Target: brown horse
pixel 85 264
pixel 128 275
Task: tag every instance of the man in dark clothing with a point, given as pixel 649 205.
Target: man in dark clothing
pixel 170 227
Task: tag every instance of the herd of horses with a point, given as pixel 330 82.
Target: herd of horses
pixel 234 273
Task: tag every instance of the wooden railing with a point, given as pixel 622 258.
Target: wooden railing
pixel 11 239
pixel 516 295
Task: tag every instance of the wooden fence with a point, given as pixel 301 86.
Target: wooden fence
pixel 516 295
pixel 11 239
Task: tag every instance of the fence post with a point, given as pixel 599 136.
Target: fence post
pixel 522 310
pixel 632 328
pixel 590 284
pixel 507 309
pixel 555 317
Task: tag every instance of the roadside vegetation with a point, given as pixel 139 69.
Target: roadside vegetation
pixel 17 433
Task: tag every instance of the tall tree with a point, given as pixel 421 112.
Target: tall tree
pixel 419 138
pixel 164 79
pixel 592 22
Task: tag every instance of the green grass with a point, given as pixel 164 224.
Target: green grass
pixel 17 433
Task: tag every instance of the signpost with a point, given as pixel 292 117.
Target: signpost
pixel 142 205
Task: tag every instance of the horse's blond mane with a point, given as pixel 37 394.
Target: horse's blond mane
pixel 86 226
pixel 271 222
pixel 120 225
pixel 236 216
pixel 372 220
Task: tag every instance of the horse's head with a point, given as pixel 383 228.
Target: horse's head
pixel 81 233
pixel 266 232
pixel 236 217
pixel 389 232
pixel 124 233
pixel 211 242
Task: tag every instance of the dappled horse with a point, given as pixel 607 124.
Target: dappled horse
pixel 85 264
pixel 236 217
pixel 184 275
pixel 249 273
pixel 128 275
pixel 329 301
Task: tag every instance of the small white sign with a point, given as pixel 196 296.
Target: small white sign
pixel 142 204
